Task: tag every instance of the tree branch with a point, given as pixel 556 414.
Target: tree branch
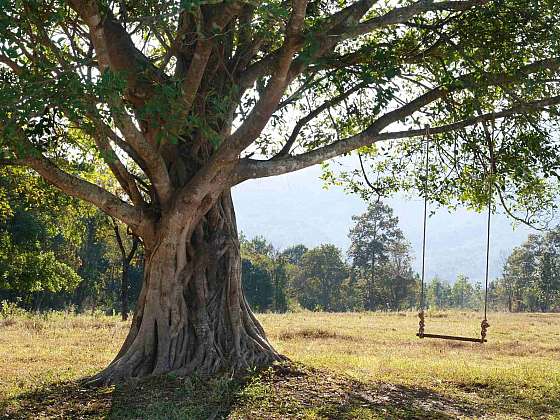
pixel 403 14
pixel 11 64
pixel 120 172
pixel 343 25
pixel 250 168
pixel 116 51
pixel 155 164
pixel 220 165
pixel 87 191
pixel 302 122
pixel 201 55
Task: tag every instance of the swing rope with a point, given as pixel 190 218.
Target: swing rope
pixel 421 323
pixel 484 325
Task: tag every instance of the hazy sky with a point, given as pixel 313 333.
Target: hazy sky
pixel 295 208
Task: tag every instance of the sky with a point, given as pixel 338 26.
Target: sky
pixel 295 208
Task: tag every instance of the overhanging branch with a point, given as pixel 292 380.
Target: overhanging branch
pixel 250 168
pixel 403 14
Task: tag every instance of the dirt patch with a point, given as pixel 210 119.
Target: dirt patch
pixel 315 334
pixel 7 322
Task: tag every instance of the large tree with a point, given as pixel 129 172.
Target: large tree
pixel 184 99
pixel 376 243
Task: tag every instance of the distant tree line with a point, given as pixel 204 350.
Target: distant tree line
pixel 377 274
pixel 56 253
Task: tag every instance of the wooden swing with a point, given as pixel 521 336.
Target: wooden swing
pixel 421 324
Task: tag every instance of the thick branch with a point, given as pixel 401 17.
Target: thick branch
pixel 155 165
pixel 116 51
pixel 403 14
pixel 266 105
pixel 122 175
pixel 11 64
pixel 124 146
pixel 203 49
pixel 250 168
pixel 87 191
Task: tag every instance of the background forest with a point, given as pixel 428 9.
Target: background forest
pixel 57 253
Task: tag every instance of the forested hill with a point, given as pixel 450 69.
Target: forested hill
pixel 295 209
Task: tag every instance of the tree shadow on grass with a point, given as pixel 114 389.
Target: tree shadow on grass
pixel 164 397
pixel 281 392
pixel 59 400
pixel 302 392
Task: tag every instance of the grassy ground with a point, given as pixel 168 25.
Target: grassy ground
pixel 359 366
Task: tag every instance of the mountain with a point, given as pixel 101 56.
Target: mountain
pixel 295 208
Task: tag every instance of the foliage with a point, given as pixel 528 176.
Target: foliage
pixel 462 294
pixel 294 253
pixel 464 163
pixel 37 245
pixel 257 285
pixel 35 272
pixel 10 310
pixel 482 74
pixel 54 251
pixel 264 274
pixel 319 280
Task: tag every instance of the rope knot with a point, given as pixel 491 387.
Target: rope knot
pixel 484 325
pixel 421 324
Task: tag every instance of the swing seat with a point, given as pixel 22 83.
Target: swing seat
pixel 452 337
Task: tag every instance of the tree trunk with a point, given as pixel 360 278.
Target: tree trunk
pixel 192 316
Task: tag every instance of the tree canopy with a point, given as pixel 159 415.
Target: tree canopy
pixel 37 245
pixel 130 83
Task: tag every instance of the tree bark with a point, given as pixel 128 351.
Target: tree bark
pixel 192 316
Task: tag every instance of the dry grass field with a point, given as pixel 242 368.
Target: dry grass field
pixel 352 365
